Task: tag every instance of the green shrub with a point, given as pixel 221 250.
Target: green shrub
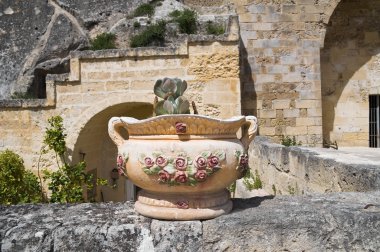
pixel 67 183
pixel 175 13
pixel 186 19
pixel 136 25
pixel 144 10
pixel 214 29
pixel 103 41
pixel 153 35
pixel 17 185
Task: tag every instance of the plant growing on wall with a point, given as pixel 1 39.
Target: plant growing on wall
pixel 214 29
pixel 103 41
pixel 17 185
pixel 69 181
pixel 153 35
pixel 145 9
pixel 250 181
pixel 288 141
pixel 186 19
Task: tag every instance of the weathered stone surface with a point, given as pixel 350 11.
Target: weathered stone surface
pixel 84 227
pixel 91 13
pixel 64 37
pixel 177 235
pixel 21 26
pixel 300 170
pixel 331 222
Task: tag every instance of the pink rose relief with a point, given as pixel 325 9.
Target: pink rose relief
pixel 180 163
pixel 180 128
pixel 180 177
pixel 201 175
pixel 243 160
pixel 163 176
pixel 119 161
pixel 161 161
pixel 200 163
pixel 183 204
pixel 212 161
pixel 149 162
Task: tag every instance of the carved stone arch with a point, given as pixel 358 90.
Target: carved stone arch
pixel 350 70
pixel 328 12
pixel 90 142
pixel 330 8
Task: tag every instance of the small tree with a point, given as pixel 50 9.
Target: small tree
pixel 68 182
pixel 17 185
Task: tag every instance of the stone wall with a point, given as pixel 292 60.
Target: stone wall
pixel 119 83
pixel 280 68
pixel 332 222
pixel 293 50
pixel 300 170
pixel 350 63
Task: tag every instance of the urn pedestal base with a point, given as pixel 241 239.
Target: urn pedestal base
pixel 183 206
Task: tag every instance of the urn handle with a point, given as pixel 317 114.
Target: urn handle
pixel 115 126
pixel 249 129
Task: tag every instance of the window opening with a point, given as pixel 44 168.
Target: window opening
pixel 374 121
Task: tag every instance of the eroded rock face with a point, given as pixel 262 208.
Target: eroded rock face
pixel 36 37
pixel 332 222
pixel 84 227
pixel 22 24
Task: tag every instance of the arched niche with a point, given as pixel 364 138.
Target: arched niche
pixel 94 146
pixel 350 71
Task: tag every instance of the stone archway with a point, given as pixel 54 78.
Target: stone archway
pixel 95 146
pixel 350 68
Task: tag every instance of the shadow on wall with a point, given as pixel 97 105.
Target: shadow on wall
pixel 97 149
pixel 247 87
pixel 351 41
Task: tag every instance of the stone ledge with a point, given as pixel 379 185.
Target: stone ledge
pixel 132 52
pixel 180 49
pixel 306 171
pixel 337 222
pixel 49 101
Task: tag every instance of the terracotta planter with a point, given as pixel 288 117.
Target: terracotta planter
pixel 183 163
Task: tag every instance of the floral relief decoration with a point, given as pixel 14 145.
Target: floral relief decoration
pixel 242 160
pixel 181 169
pixel 121 162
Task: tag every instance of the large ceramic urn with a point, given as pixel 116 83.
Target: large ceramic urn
pixel 183 163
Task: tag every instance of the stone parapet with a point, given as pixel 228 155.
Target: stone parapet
pixel 300 170
pixel 336 222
